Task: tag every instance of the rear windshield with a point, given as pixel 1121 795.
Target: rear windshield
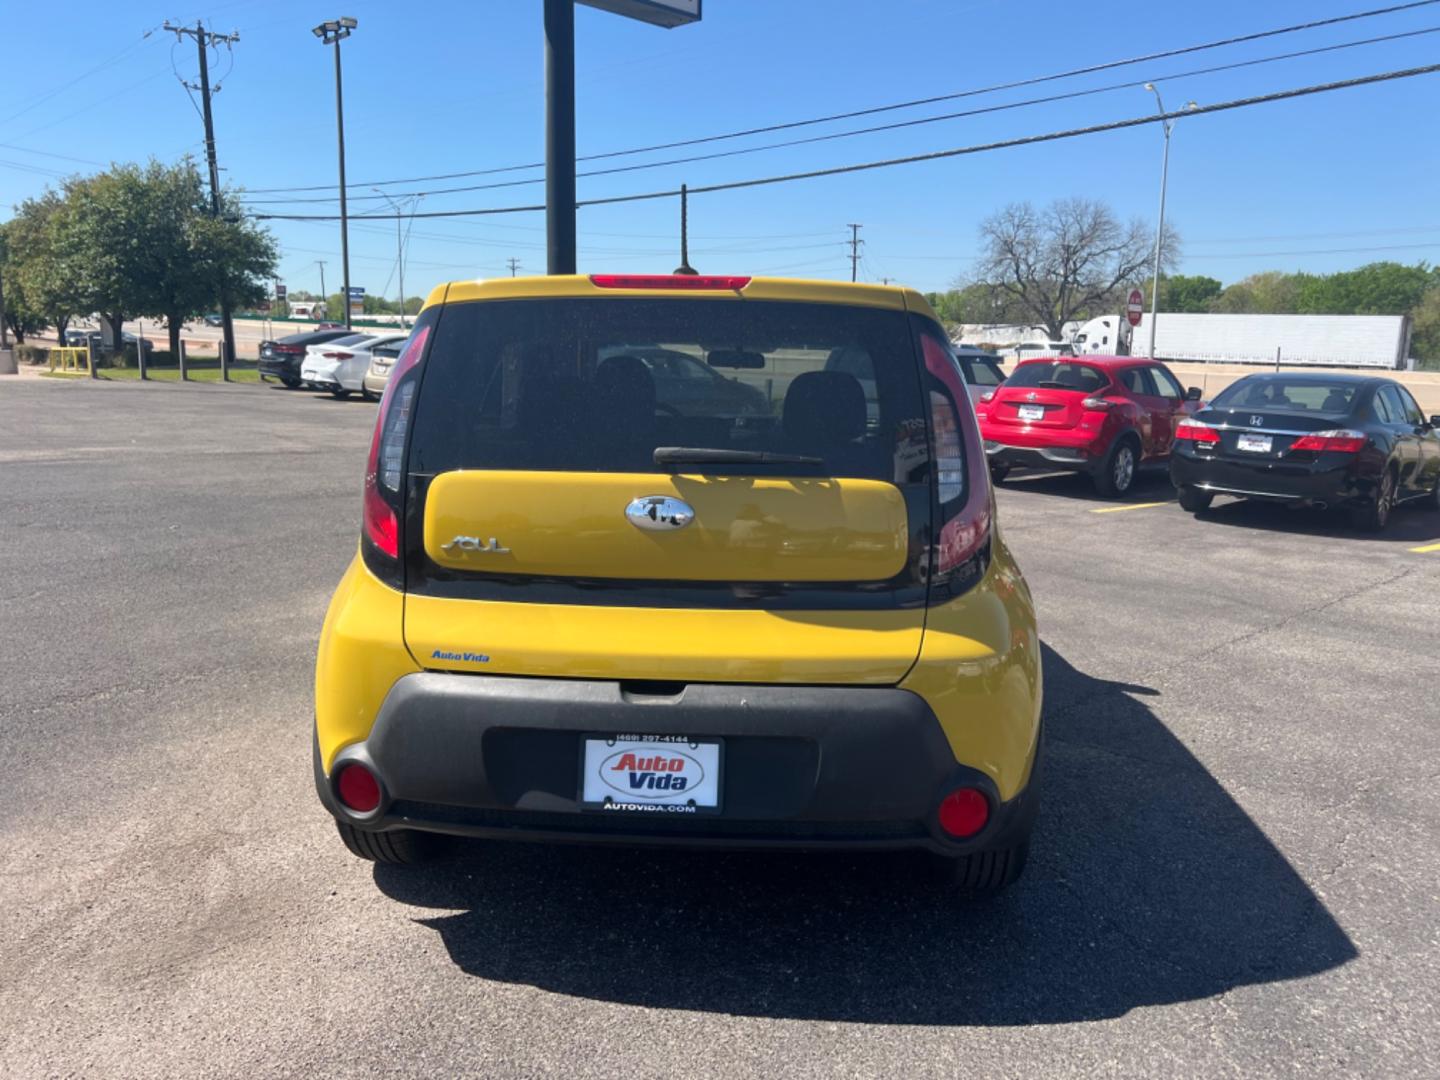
pixel 1059 375
pixel 980 371
pixel 1287 395
pixel 599 384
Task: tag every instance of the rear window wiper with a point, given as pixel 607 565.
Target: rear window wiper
pixel 708 455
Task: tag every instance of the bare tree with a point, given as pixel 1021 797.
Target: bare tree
pixel 1072 258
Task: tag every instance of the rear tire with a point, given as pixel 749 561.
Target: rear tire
pixel 1194 500
pixel 1117 474
pixel 1433 503
pixel 984 873
pixel 401 847
pixel 340 395
pixel 998 473
pixel 1375 515
pixel 290 384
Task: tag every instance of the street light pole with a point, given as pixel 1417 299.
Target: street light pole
pixel 333 32
pixel 560 136
pixel 1160 225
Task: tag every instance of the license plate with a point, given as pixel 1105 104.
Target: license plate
pixel 657 774
pixel 1256 444
pixel 1032 412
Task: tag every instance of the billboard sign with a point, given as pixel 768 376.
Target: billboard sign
pixel 280 291
pixel 357 300
pixel 666 13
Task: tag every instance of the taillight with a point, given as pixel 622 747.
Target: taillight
pixel 383 470
pixel 290 350
pixel 691 282
pixel 962 477
pixel 1096 404
pixel 1339 441
pixel 337 355
pixel 1196 431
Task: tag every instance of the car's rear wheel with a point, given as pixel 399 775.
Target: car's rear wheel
pixel 1117 473
pixel 1375 515
pixel 290 384
pixel 1433 503
pixel 998 473
pixel 367 395
pixel 404 847
pixel 1194 500
pixel 985 872
pixel 340 393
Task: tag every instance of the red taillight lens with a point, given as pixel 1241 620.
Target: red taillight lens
pixel 387 449
pixel 1195 431
pixel 963 812
pixel 358 789
pixel 290 350
pixel 961 473
pixel 694 282
pixel 1096 404
pixel 1340 441
pixel 337 355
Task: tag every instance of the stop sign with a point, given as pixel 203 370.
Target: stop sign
pixel 1135 307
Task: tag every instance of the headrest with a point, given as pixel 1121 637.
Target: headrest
pixel 824 408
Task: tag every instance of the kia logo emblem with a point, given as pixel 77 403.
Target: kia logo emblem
pixel 659 513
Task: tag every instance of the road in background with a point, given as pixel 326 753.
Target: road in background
pixel 1233 872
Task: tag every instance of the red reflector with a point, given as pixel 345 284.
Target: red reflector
pixel 358 789
pixel 668 281
pixel 1196 432
pixel 1333 442
pixel 964 812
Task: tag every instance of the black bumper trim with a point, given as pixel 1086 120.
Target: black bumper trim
pixel 805 766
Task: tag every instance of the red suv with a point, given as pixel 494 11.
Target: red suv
pixel 1102 415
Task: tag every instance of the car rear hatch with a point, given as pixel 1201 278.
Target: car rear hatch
pixel 1046 395
pixel 568 512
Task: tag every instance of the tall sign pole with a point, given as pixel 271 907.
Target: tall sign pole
pixel 560 136
pixel 560 110
pixel 332 32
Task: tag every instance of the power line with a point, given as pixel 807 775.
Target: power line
pixel 935 155
pixel 880 127
pixel 790 125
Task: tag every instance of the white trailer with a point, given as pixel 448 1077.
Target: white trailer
pixel 1366 341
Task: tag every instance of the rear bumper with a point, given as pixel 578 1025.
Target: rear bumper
pixel 280 369
pixel 813 767
pixel 1329 481
pixel 1079 458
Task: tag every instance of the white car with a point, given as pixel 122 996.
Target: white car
pixel 339 366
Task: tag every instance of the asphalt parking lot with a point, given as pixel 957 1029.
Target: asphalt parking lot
pixel 1234 872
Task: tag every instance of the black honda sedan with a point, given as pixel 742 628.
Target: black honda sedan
pixel 281 359
pixel 1352 442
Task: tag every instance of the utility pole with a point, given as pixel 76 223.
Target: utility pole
pixel 855 243
pixel 324 296
pixel 333 32
pixel 685 267
pixel 514 265
pixel 203 39
pixel 1168 126
pixel 399 250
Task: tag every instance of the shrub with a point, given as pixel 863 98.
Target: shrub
pixel 32 354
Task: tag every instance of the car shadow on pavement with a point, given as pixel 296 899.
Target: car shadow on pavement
pixel 1151 485
pixel 1147 885
pixel 1410 523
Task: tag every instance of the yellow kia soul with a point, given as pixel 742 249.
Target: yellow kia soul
pixel 682 560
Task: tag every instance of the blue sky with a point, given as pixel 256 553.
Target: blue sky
pixel 1318 184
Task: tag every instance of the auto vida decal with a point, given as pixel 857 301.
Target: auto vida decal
pixel 657 775
pixel 463 656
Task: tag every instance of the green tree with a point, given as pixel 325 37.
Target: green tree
pixel 1270 293
pixel 1188 294
pixel 20 313
pixel 1381 288
pixel 1425 329
pixel 141 240
pixel 47 284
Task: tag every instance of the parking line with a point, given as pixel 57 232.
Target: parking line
pixel 1426 547
pixel 1136 506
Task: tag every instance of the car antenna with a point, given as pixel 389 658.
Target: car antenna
pixel 685 267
